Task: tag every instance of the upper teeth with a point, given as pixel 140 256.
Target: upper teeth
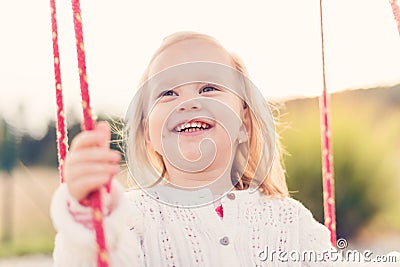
pixel 187 126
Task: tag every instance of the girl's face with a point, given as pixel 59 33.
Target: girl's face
pixel 195 126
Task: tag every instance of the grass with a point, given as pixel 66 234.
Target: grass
pixel 30 191
pixel 42 245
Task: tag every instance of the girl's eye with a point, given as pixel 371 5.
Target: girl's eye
pixel 208 88
pixel 168 93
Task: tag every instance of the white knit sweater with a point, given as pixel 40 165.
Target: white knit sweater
pixel 141 231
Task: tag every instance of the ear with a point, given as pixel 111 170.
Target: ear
pixel 247 121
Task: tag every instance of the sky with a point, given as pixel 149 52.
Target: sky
pixel 279 42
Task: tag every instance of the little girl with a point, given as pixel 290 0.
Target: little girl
pixel 201 146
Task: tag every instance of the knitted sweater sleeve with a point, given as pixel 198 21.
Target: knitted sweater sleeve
pixel 75 243
pixel 314 240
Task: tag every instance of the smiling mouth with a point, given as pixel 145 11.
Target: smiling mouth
pixel 192 126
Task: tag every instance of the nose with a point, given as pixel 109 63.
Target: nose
pixel 190 105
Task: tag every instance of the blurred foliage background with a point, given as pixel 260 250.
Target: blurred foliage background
pixel 366 144
pixel 365 130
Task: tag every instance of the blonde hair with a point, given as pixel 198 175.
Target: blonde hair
pixel 263 169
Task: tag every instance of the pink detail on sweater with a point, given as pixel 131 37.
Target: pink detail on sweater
pixel 83 218
pixel 220 211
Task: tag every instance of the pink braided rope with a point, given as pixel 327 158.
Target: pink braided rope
pixel 62 137
pixel 396 13
pixel 94 198
pixel 87 111
pixel 327 157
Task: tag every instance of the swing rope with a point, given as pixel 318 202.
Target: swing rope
pixel 94 198
pixel 396 12
pixel 62 136
pixel 327 156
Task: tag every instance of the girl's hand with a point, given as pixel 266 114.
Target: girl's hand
pixel 90 163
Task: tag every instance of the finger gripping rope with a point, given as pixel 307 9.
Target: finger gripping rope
pixel 62 141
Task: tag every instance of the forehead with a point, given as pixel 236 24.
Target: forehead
pixel 189 51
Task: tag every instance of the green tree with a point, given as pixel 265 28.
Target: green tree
pixel 363 156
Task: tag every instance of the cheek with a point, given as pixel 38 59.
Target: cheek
pixel 224 146
pixel 234 105
pixel 223 139
pixel 229 119
pixel 156 122
pixel 237 105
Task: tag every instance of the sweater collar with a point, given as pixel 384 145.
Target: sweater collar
pixel 175 196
